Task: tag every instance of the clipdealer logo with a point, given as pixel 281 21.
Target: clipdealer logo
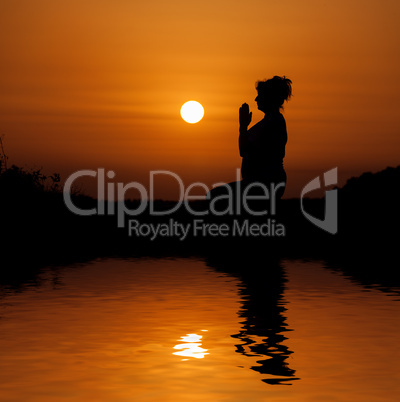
pixel 330 221
pixel 115 194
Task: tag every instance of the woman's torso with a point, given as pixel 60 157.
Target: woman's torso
pixel 263 159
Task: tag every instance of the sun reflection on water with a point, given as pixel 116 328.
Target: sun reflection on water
pixel 191 347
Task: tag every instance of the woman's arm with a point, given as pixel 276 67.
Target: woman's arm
pixel 244 120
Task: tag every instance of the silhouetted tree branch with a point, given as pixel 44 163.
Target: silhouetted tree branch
pixel 3 156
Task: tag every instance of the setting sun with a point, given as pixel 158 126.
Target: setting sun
pixel 192 112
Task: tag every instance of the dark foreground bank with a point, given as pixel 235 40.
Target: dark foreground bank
pixel 37 228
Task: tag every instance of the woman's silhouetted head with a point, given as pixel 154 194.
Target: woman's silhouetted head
pixel 273 93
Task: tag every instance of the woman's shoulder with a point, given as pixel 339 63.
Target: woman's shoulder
pixel 276 118
pixel 277 122
pixel 269 122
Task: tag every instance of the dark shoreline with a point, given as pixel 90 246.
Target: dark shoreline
pixel 38 229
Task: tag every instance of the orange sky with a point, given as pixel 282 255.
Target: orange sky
pixel 96 83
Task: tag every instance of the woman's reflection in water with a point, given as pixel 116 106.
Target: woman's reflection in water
pixel 263 311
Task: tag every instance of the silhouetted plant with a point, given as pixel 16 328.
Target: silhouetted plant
pixel 3 156
pixel 21 181
pixel 56 179
pixel 18 180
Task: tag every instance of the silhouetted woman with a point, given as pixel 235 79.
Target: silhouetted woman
pixel 262 147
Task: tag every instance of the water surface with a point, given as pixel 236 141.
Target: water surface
pixel 194 330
